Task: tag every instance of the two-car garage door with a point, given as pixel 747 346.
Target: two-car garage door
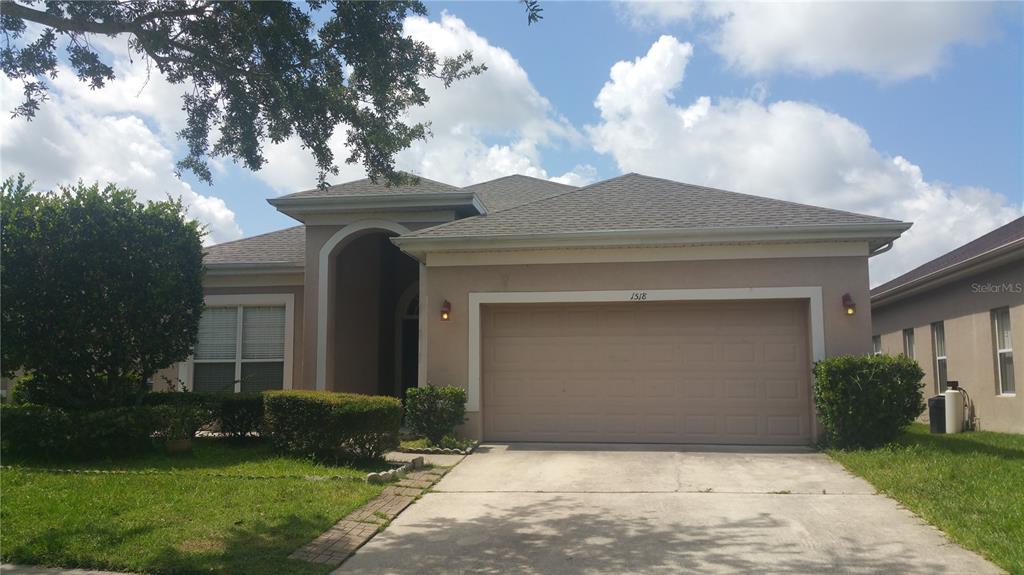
pixel 649 372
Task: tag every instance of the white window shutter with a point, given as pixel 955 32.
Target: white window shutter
pixel 218 334
pixel 263 332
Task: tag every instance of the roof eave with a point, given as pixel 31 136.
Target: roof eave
pixel 875 234
pixel 464 202
pixel 235 268
pixel 995 257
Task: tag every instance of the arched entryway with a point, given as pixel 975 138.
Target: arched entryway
pixel 407 330
pixel 366 279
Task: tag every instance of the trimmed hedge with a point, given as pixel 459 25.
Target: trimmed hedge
pixel 236 414
pixel 434 412
pixel 44 432
pixel 867 401
pixel 331 426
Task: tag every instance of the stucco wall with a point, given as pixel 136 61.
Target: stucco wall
pixel 965 308
pixel 447 341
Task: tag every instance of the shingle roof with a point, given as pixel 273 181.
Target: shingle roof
pixel 637 202
pixel 286 246
pixel 1011 232
pixel 511 191
pixel 366 187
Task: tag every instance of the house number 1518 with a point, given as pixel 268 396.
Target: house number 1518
pixel 638 296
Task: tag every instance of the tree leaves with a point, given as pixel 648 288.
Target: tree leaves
pixel 254 71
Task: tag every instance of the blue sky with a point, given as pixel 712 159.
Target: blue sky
pixel 910 111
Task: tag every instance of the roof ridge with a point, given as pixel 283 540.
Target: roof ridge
pixel 506 210
pixel 245 239
pixel 735 193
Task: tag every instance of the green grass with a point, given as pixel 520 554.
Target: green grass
pixel 969 485
pixel 448 442
pixel 183 518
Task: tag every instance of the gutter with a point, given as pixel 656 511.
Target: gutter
pixel 1007 252
pixel 241 268
pixel 466 201
pixel 876 234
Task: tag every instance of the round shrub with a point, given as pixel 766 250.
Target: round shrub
pixel 434 412
pixel 330 426
pixel 867 401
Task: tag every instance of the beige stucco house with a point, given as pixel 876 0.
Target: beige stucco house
pixel 959 315
pixel 636 309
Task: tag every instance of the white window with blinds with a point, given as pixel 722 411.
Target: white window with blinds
pixel 244 344
pixel 939 352
pixel 908 342
pixel 1004 351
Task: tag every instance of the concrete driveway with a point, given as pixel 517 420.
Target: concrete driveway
pixel 528 508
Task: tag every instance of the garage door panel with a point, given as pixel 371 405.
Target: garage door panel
pixel 705 372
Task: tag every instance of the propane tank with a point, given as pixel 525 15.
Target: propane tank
pixel 954 408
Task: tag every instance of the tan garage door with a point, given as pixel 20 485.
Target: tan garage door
pixel 651 372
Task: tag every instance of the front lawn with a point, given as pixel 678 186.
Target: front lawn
pixel 226 508
pixel 970 485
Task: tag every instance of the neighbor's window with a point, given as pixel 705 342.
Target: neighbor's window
pixel 908 342
pixel 240 348
pixel 1004 350
pixel 876 345
pixel 939 350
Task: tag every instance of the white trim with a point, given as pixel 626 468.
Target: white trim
pixel 1000 351
pixel 241 300
pixel 476 299
pixel 323 279
pixel 648 254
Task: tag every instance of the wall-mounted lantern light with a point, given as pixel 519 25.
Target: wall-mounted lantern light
pixel 848 304
pixel 446 310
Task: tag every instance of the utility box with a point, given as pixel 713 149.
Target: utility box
pixel 954 410
pixel 937 413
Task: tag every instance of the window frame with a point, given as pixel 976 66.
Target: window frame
pixel 910 344
pixel 999 352
pixel 186 368
pixel 940 386
pixel 876 345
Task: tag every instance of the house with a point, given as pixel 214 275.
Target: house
pixel 959 316
pixel 635 309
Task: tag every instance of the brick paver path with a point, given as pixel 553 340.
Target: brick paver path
pixel 336 544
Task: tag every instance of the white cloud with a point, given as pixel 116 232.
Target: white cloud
pixel 580 175
pixel 789 150
pixel 484 127
pixel 885 40
pixel 106 135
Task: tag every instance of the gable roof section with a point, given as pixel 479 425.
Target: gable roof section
pixel 283 248
pixel 1008 239
pixel 637 205
pixel 366 187
pixel 515 190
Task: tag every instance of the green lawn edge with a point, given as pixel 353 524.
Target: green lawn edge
pixel 970 486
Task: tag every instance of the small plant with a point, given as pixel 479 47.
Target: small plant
pixel 867 401
pixel 434 412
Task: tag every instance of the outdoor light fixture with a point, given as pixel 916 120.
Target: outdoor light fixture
pixel 446 309
pixel 848 304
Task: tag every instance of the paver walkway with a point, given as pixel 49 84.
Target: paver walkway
pixel 339 542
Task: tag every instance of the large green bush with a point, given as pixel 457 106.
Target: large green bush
pixel 236 414
pixel 867 401
pixel 46 432
pixel 434 412
pixel 99 291
pixel 330 426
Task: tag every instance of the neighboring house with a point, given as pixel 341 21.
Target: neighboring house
pixel 959 316
pixel 635 309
